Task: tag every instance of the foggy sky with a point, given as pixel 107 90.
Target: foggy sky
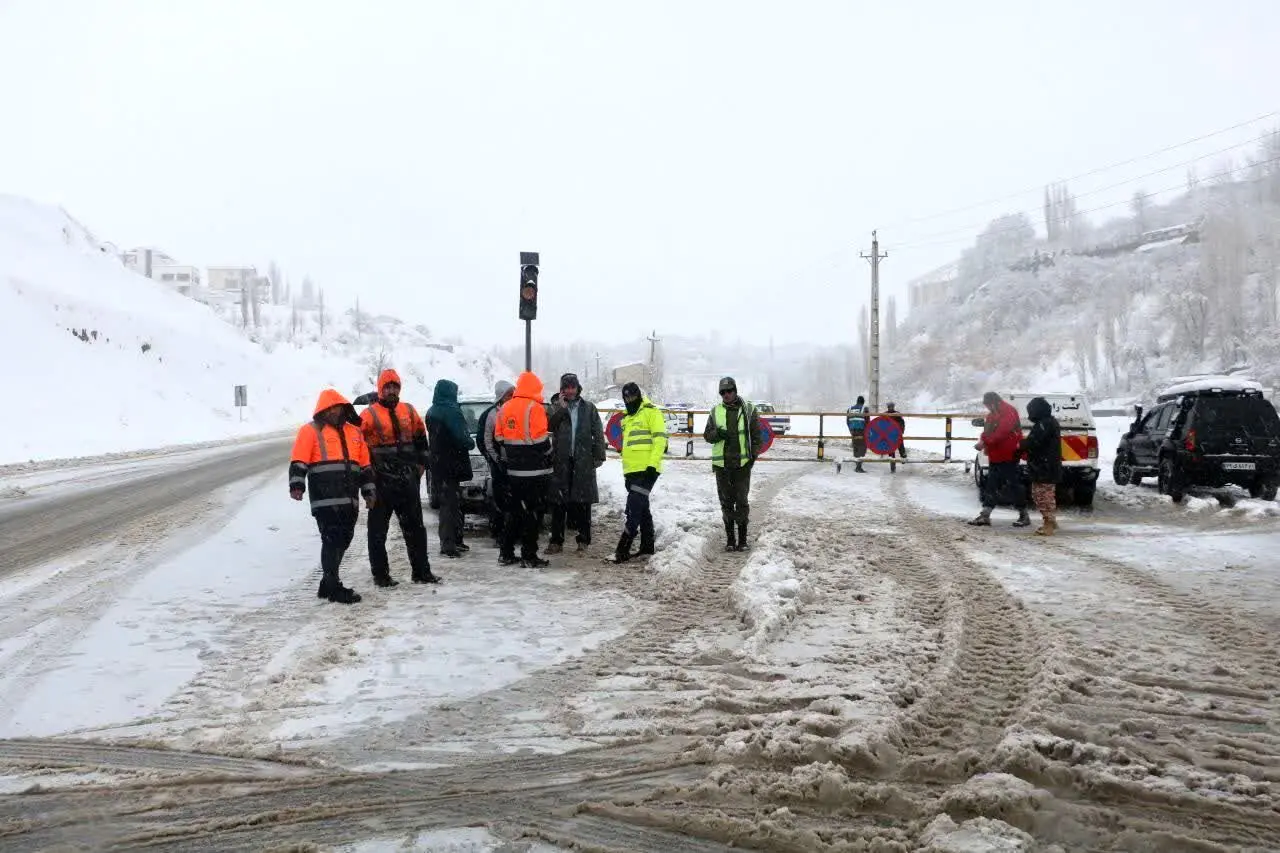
pixel 680 166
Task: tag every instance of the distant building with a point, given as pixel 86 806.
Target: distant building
pixel 144 259
pixel 224 279
pixel 636 371
pixel 932 288
pixel 183 278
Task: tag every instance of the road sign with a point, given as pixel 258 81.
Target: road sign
pixel 884 436
pixel 766 435
pixel 613 431
pixel 242 395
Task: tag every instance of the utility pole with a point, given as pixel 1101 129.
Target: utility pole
pixel 598 367
pixel 873 398
pixel 653 340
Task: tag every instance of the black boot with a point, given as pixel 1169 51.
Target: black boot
pixel 385 581
pixel 463 547
pixel 1024 520
pixel 623 552
pixel 742 537
pixel 326 588
pixel 731 544
pixel 647 548
pixel 534 562
pixel 343 595
pixel 425 576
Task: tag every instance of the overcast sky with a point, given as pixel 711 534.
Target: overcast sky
pixel 679 165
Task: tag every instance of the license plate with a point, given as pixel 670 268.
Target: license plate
pixel 1238 466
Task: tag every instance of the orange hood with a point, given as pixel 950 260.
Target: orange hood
pixel 328 399
pixel 387 376
pixel 529 386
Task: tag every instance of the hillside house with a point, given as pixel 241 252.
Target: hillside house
pixel 230 279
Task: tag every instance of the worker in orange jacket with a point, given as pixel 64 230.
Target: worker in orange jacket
pixel 524 442
pixel 397 440
pixel 331 461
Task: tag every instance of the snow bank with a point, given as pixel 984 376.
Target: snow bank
pixel 101 359
pixel 768 593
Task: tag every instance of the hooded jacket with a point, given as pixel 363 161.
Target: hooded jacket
pixel 1001 434
pixel 450 439
pixel 1043 444
pixel 488 421
pixel 644 438
pixel 521 432
pixel 396 435
pixel 331 463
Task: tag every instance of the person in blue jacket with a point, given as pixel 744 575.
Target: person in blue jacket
pixel 856 419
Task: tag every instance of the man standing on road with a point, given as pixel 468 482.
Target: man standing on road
pixel 500 515
pixel 1001 435
pixel 397 441
pixel 733 430
pixel 891 412
pixel 330 460
pixel 579 451
pixel 451 445
pixel 856 419
pixel 524 442
pixel 644 441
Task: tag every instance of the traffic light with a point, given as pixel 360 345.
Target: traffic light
pixel 528 285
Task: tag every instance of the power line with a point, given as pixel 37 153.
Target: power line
pixel 909 246
pixel 1087 174
pixel 1254 140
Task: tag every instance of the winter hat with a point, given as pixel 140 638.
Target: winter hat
pixel 727 384
pixel 631 389
pixel 570 380
pixel 502 388
pixel 388 376
pixel 860 400
pixel 990 398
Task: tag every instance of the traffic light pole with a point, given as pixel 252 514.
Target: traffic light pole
pixel 528 346
pixel 528 302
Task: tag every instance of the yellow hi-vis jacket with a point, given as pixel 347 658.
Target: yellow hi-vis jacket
pixel 644 438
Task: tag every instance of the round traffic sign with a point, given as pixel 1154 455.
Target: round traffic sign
pixel 613 431
pixel 884 436
pixel 766 435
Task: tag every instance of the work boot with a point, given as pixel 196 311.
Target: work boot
pixel 507 559
pixel 857 469
pixel 1024 519
pixel 326 589
pixel 344 595
pixel 731 544
pixel 1048 528
pixel 533 562
pixel 982 520
pixel 647 548
pixel 582 546
pixel 425 576
pixel 623 552
pixel 385 581
pixel 463 547
pixel 452 553
pixel 554 548
pixel 742 537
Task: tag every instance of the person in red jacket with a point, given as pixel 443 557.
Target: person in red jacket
pixel 1001 437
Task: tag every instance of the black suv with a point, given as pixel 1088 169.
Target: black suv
pixel 1208 437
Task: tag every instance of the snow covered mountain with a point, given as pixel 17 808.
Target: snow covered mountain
pixel 99 359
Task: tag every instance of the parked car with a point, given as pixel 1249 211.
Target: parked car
pixel 1079 447
pixel 1208 433
pixel 779 423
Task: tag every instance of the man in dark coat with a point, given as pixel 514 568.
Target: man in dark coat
pixel 856 420
pixel 1043 449
pixel 579 451
pixel 451 444
pixel 891 412
pixel 498 479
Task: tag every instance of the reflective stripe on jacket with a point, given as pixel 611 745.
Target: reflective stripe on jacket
pixel 521 431
pixel 331 464
pixel 396 434
pixel 644 439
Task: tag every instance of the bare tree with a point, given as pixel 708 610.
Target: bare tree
pixel 308 292
pixel 277 283
pixel 891 322
pixel 244 303
pixel 293 321
pixel 378 362
pixel 321 313
pixel 1138 205
pixel 255 302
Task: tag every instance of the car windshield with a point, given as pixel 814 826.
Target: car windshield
pixel 1256 415
pixel 471 413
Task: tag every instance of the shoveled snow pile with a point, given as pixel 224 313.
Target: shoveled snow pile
pixel 100 359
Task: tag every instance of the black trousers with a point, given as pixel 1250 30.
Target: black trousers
pixel 1004 477
pixel 733 486
pixel 638 517
pixel 406 504
pixel 500 514
pixel 450 492
pixel 528 501
pixel 337 529
pixel 577 514
pixel 859 445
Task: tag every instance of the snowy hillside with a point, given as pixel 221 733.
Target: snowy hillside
pixel 99 359
pixel 1106 310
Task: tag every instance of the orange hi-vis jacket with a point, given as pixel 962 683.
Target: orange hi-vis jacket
pixel 331 463
pixel 396 436
pixel 520 431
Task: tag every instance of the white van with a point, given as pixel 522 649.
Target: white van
pixel 1079 446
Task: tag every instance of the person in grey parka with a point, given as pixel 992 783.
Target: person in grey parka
pixel 578 452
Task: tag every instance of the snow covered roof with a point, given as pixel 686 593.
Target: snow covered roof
pixel 1190 385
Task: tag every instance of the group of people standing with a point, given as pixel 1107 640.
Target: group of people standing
pixel 1004 443
pixel 857 418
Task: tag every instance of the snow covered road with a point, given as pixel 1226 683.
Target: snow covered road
pixel 872 675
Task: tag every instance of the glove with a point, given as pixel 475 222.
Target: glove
pixel 296 493
pixel 369 501
pixel 651 472
pixel 722 434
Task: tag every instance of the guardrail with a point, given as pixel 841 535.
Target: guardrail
pixel 822 437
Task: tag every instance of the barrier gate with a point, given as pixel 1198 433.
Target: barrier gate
pixel 822 438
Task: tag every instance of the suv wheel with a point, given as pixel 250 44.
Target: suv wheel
pixel 979 477
pixel 1122 470
pixel 1264 490
pixel 1171 480
pixel 1084 495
